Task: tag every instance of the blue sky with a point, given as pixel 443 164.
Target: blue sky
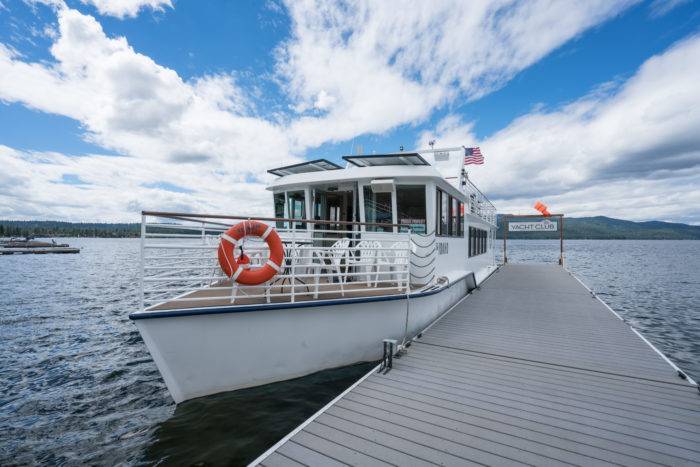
pixel 110 107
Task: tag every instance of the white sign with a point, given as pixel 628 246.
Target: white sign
pixel 442 156
pixel 542 226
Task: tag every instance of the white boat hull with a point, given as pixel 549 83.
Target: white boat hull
pixel 206 353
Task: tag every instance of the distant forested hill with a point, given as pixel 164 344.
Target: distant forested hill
pixel 602 227
pixel 67 229
pixel 574 228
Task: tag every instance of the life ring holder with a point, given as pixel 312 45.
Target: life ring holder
pixel 237 268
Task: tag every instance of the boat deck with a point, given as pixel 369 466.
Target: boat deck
pixel 530 369
pixel 220 294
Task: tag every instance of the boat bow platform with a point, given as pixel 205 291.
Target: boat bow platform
pixel 532 368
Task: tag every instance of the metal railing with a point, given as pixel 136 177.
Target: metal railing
pixel 478 203
pixel 180 266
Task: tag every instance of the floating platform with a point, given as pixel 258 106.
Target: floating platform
pixel 532 368
pixel 38 250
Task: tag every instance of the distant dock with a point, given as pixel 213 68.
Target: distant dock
pixel 38 251
pixel 29 246
pixel 532 368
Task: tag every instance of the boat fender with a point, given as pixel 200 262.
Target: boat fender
pixel 238 268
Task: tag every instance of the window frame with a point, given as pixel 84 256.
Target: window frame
pixel 367 195
pixel 299 222
pixel 275 198
pixel 418 187
pixel 442 202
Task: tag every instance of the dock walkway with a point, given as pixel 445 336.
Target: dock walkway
pixel 530 369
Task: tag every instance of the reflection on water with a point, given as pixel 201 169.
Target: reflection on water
pixel 237 426
pixel 77 385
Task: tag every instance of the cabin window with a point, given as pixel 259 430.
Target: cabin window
pixel 410 207
pixel 474 242
pixel 438 204
pixel 296 208
pixel 278 200
pixel 442 214
pixel 478 241
pixel 449 215
pixel 460 219
pixel 377 210
pixel 454 217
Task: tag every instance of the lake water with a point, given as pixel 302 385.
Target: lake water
pixel 77 384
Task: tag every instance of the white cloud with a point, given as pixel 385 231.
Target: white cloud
pixel 195 134
pixel 129 103
pixel 348 70
pixel 631 151
pixel 117 188
pixel 123 8
pixel 385 64
pixel 672 200
pixel 661 7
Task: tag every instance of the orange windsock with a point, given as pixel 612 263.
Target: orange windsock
pixel 542 208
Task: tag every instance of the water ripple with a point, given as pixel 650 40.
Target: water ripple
pixel 77 385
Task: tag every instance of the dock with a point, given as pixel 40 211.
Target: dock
pixel 531 368
pixel 39 251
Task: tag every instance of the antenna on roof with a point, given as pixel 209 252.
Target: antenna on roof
pixel 431 143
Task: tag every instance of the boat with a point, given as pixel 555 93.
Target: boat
pixel 373 252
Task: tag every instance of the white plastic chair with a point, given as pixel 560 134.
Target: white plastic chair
pixel 298 260
pixel 332 260
pixel 401 260
pixel 395 258
pixel 366 260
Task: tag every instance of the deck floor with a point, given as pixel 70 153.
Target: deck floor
pixel 220 294
pixel 530 369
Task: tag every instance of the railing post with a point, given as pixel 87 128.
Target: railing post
pixel 505 240
pixel 292 266
pixel 408 259
pixel 561 240
pixel 143 260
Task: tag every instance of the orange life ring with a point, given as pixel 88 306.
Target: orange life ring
pixel 236 268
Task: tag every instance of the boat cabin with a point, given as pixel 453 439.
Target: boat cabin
pixel 374 191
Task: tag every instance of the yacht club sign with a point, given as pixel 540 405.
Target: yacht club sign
pixel 542 226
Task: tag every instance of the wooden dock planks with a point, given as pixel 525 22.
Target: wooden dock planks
pixel 531 369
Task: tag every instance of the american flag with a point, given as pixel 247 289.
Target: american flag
pixel 473 156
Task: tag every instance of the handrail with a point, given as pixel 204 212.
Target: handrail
pixel 180 266
pixel 471 184
pixel 198 217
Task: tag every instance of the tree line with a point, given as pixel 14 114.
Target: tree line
pixel 9 228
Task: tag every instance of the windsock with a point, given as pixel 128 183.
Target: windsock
pixel 541 207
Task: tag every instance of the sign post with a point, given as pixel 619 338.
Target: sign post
pixel 542 225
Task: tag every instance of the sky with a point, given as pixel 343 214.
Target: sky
pixel 110 107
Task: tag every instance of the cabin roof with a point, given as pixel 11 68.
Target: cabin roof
pixel 376 160
pixel 402 173
pixel 318 165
